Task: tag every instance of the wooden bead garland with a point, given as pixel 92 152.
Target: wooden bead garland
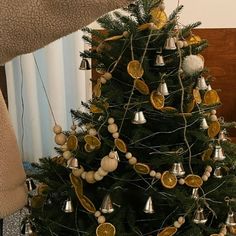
pixel 207 173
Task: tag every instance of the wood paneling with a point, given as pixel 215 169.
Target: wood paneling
pixel 220 58
pixel 3 84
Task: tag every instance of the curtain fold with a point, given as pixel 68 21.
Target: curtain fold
pixel 66 86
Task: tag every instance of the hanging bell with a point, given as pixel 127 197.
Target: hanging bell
pixel 201 83
pixel 30 184
pixel 178 169
pixel 107 206
pixel 218 153
pixel 117 156
pixel 170 44
pixel 231 219
pixel 209 87
pixel 222 135
pixel 218 172
pixel 84 65
pixel 148 209
pixel 159 61
pixel 68 206
pixel 27 228
pixel 162 89
pixel 139 118
pixel 195 194
pixel 199 217
pixel 72 163
pixel 204 124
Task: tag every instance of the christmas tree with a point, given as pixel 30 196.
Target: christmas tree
pixel 149 156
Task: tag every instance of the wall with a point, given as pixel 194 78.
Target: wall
pixel 212 13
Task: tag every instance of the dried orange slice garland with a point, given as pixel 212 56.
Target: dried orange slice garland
pixel 142 168
pixel 158 17
pixel 72 143
pixel 135 69
pixel 157 100
pixel 106 229
pixel 193 181
pixel 214 129
pixel 141 86
pixel 168 180
pixel 211 97
pixel 168 231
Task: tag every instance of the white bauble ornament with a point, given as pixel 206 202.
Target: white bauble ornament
pixel 108 164
pixel 192 64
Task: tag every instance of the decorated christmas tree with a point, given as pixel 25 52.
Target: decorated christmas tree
pixel 149 156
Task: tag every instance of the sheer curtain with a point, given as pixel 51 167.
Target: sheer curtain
pixel 66 86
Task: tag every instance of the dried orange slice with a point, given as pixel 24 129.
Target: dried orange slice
pixel 88 148
pixel 197 96
pixel 42 189
pixel 157 100
pixel 190 106
pixel 159 17
pixel 77 183
pixel 92 140
pixel 114 38
pixel 120 144
pixel 168 231
pixel 214 129
pixel 169 109
pixel 97 89
pixel 207 154
pixel 85 202
pixel 135 69
pixel 95 109
pixel 141 86
pixel 37 201
pixel 194 39
pixel 106 229
pixel 142 168
pixel 211 97
pixel 232 229
pixel 194 181
pixel 168 180
pixel 72 143
pixel 144 26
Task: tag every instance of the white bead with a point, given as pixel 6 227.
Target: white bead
pixel 181 181
pixel 57 129
pixel 126 34
pixel 209 168
pixel 181 220
pixel 112 128
pixel 102 172
pixel 97 176
pixel 162 6
pixel 60 139
pixel 132 160
pixel 111 120
pixel 101 219
pixel 158 175
pixel 92 131
pixel 128 155
pixel 103 80
pixel 152 173
pixel 112 154
pixel 185 43
pixel 89 177
pixel 213 118
pixel 83 175
pixel 115 135
pixel 207 173
pixel 67 155
pixel 180 43
pixel 97 214
pixel 204 178
pixel 213 112
pixel 177 224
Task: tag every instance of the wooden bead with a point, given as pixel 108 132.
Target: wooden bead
pixel 57 129
pixel 158 175
pixel 204 178
pixel 128 155
pixel 221 234
pixel 90 177
pixel 112 154
pixel 207 173
pixel 60 139
pixel 83 175
pixel 103 80
pixel 132 160
pixel 67 155
pixel 177 224
pixel 126 34
pixel 209 168
pixel 115 135
pixel 112 128
pixel 107 76
pixel 162 6
pixel 97 214
pixel 109 164
pixel 111 120
pixel 181 181
pixel 152 173
pixel 97 177
pixel 213 118
pixel 101 219
pixel 181 220
pixel 180 44
pixel 185 44
pixel 73 127
pixel 92 131
pixel 213 112
pixel 72 132
pixel 78 171
pixel 102 172
pixel 64 147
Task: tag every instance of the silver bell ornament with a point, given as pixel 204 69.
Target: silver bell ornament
pixel 30 184
pixel 107 206
pixel 218 154
pixel 117 156
pixel 68 206
pixel 148 208
pixel 162 89
pixel 231 219
pixel 218 172
pixel 222 135
pixel 73 163
pixel 204 124
pixel 199 216
pixel 178 169
pixel 84 65
pixel 139 118
pixel 159 61
pixel 195 194
pixel 27 228
pixel 170 44
pixel 209 87
pixel 201 83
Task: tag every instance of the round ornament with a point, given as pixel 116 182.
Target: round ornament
pixel 109 164
pixel 141 86
pixel 192 64
pixel 120 144
pixel 214 129
pixel 168 231
pixel 211 97
pixel 72 143
pixel 141 168
pixel 135 69
pixel 157 100
pixel 158 17
pixel 193 181
pixel 168 180
pixel 106 229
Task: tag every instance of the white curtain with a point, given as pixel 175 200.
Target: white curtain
pixel 66 86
